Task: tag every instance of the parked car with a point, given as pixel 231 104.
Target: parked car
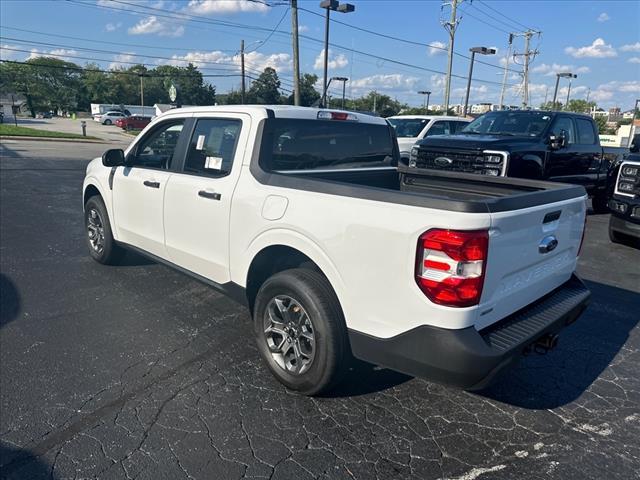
pixel 411 128
pixel 44 115
pixel 133 123
pixel 557 146
pixel 299 214
pixel 109 118
pixel 624 223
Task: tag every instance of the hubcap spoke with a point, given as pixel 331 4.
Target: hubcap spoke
pixel 289 334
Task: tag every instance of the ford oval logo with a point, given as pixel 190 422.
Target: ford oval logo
pixel 443 161
pixel 548 244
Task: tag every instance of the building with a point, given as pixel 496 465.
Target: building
pixel 480 108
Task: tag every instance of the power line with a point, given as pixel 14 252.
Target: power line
pixel 521 25
pixel 272 31
pixel 403 40
pixel 466 12
pixel 492 17
pixel 255 27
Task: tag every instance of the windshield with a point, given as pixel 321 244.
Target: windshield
pixel 527 124
pixel 408 127
pixel 292 144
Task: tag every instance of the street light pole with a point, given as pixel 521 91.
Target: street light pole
pixel 633 119
pixel 566 105
pixel 474 50
pixel 329 5
pixel 425 103
pixel 555 92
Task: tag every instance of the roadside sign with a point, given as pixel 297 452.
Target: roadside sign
pixel 173 93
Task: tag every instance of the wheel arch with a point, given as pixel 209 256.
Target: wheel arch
pixel 278 254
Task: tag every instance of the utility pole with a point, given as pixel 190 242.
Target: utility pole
pixel 141 75
pixel 451 27
pixel 588 94
pixel 527 60
pixel 546 94
pixel 506 69
pixel 296 52
pixel 243 91
pixel 566 105
pixel 633 121
pixel 375 98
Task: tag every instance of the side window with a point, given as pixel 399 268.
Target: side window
pixel 457 126
pixel 439 128
pixel 157 147
pixel 213 146
pixel 586 135
pixel 564 124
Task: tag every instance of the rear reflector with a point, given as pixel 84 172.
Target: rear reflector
pixel 450 266
pixel 327 115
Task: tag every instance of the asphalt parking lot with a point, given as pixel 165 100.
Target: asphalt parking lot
pixel 137 371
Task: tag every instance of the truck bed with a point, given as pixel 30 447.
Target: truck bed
pixel 432 189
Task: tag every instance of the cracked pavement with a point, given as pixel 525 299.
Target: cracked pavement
pixel 140 372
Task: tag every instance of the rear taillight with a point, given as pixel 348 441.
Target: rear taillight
pixel 450 266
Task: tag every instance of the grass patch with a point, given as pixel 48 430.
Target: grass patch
pixel 33 132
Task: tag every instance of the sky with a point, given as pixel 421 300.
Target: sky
pixel 394 47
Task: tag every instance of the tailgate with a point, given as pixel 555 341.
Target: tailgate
pixel 531 252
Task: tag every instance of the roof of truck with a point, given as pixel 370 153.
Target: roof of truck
pixel 279 111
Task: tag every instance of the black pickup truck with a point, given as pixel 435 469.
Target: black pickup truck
pixel 624 224
pixel 557 146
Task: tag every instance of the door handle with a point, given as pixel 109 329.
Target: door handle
pixel 149 183
pixel 211 195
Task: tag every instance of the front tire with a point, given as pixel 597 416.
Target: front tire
pixel 599 203
pixel 102 246
pixel 300 331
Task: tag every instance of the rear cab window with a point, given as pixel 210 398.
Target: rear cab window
pixel 296 146
pixel 586 133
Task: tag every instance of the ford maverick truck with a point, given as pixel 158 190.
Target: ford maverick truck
pixel 301 214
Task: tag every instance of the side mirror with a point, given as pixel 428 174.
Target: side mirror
pixel 556 142
pixel 113 158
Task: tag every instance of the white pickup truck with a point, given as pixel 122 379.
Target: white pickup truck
pixel 302 215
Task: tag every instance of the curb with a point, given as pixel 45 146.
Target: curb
pixel 50 139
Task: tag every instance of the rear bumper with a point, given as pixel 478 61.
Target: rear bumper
pixel 469 358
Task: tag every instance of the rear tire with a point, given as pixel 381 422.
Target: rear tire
pixel 102 246
pixel 300 331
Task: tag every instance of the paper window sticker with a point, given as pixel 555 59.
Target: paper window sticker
pixel 200 143
pixel 213 163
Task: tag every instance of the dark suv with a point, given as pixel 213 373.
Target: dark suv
pixel 558 146
pixel 624 224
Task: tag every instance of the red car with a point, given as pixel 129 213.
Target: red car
pixel 133 123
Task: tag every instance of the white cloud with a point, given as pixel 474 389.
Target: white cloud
pixel 302 28
pixel 59 53
pixel 253 60
pixel 555 68
pixel 394 81
pixel 437 48
pixel 631 47
pixel 112 27
pixel 633 86
pixel 603 17
pixel 601 95
pixel 6 54
pixel 477 92
pixel 123 60
pixel 151 25
pixel 616 89
pixel 204 7
pixel 335 61
pixel 634 60
pixel 598 49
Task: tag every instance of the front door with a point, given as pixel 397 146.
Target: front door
pixel 562 163
pixel 139 188
pixel 197 201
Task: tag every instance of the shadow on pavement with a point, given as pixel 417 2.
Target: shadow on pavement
pixel 585 350
pixel 9 300
pixel 134 259
pixel 363 378
pixel 16 463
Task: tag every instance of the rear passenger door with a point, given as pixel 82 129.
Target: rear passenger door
pixel 197 202
pixel 588 153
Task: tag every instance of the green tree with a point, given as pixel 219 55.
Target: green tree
pixel 385 106
pixel 580 106
pixel 265 89
pixel 603 129
pixel 47 83
pixel 308 94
